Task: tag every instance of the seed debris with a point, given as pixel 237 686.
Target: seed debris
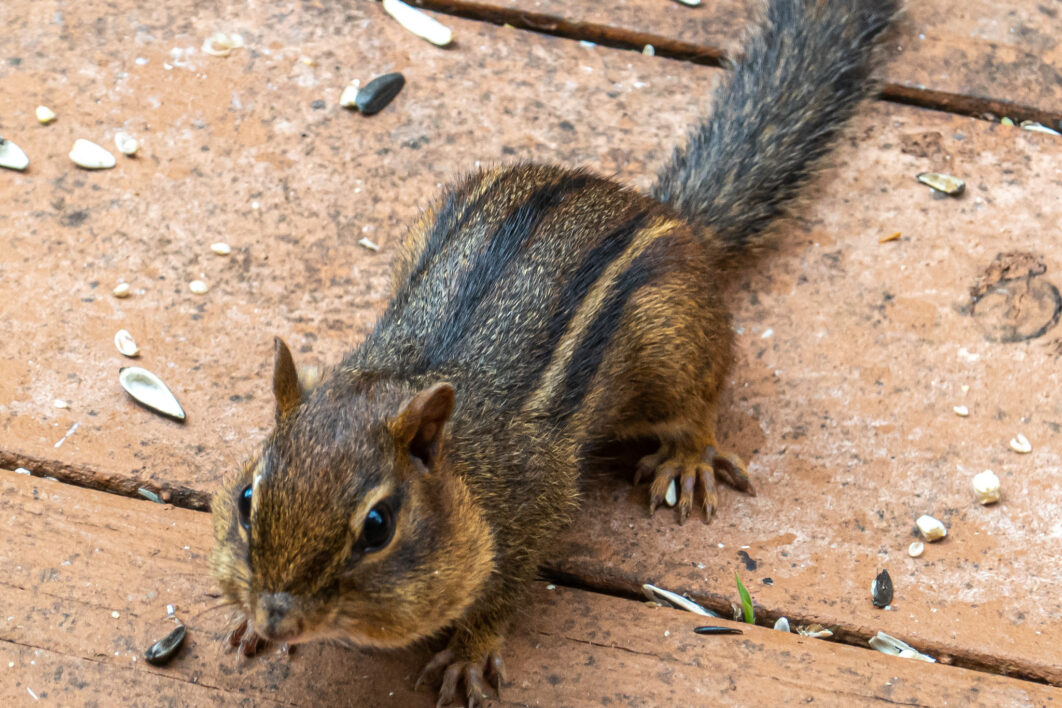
pixel 221 248
pixel 418 23
pixel 916 549
pixel 931 528
pixel 1020 444
pixel 952 186
pixel 45 115
pixel 198 287
pixel 366 243
pixel 125 344
pixel 221 44
pixel 986 487
pixel 12 156
pixel 126 144
pixel 122 290
pixel 961 411
pixel 91 156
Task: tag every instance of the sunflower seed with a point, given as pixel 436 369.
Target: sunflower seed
pixel 379 92
pixel 164 649
pixel 986 487
pixel 125 344
pixel 881 589
pixel 1020 444
pixel 716 630
pixel 666 597
pixel 418 23
pixel 894 647
pixel 91 156
pixel 952 186
pixel 932 529
pixel 12 157
pixel 1035 127
pixel 45 115
pixel 148 390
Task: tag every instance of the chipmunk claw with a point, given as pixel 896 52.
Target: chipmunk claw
pixel 246 643
pixel 476 676
pixel 692 473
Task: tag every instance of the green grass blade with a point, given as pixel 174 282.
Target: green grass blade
pixel 746 601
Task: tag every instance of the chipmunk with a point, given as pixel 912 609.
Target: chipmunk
pixel 536 313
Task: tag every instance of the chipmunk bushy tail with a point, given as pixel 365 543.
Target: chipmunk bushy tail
pixel 802 74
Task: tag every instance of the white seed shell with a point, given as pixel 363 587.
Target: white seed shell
pixel 125 344
pixel 961 411
pixel 366 243
pixel 649 50
pixel 671 495
pixel 45 115
pixel 122 290
pixel 221 44
pixel 667 597
pixel 689 3
pixel 1020 444
pixel 952 186
pixel 931 528
pixel 91 156
pixel 198 287
pixel 126 144
pixel 1035 127
pixel 986 487
pixel 221 248
pixel 149 391
pixel 60 403
pixel 916 549
pixel 782 624
pixel 12 157
pixel 891 645
pixel 418 23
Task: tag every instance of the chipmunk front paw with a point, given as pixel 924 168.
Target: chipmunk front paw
pixel 692 471
pixel 473 675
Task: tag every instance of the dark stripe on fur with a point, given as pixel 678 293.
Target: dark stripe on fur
pixel 578 285
pixel 492 266
pixel 587 357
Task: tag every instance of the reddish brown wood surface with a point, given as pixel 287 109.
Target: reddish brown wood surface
pixel 970 57
pixel 74 557
pixel 851 353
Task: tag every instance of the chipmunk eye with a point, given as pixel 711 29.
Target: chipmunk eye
pixel 378 528
pixel 243 506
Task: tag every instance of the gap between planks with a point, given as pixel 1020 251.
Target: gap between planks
pixel 199 500
pixel 708 55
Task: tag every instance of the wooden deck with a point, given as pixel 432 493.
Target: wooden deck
pixel 852 353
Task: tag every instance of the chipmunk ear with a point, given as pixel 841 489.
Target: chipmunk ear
pixel 420 422
pixel 286 386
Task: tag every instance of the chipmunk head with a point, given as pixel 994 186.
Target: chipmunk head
pixel 349 523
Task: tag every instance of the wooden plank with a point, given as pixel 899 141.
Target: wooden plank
pixel 971 57
pixel 76 556
pixel 851 356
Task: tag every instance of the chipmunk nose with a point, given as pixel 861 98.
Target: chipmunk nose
pixel 274 619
